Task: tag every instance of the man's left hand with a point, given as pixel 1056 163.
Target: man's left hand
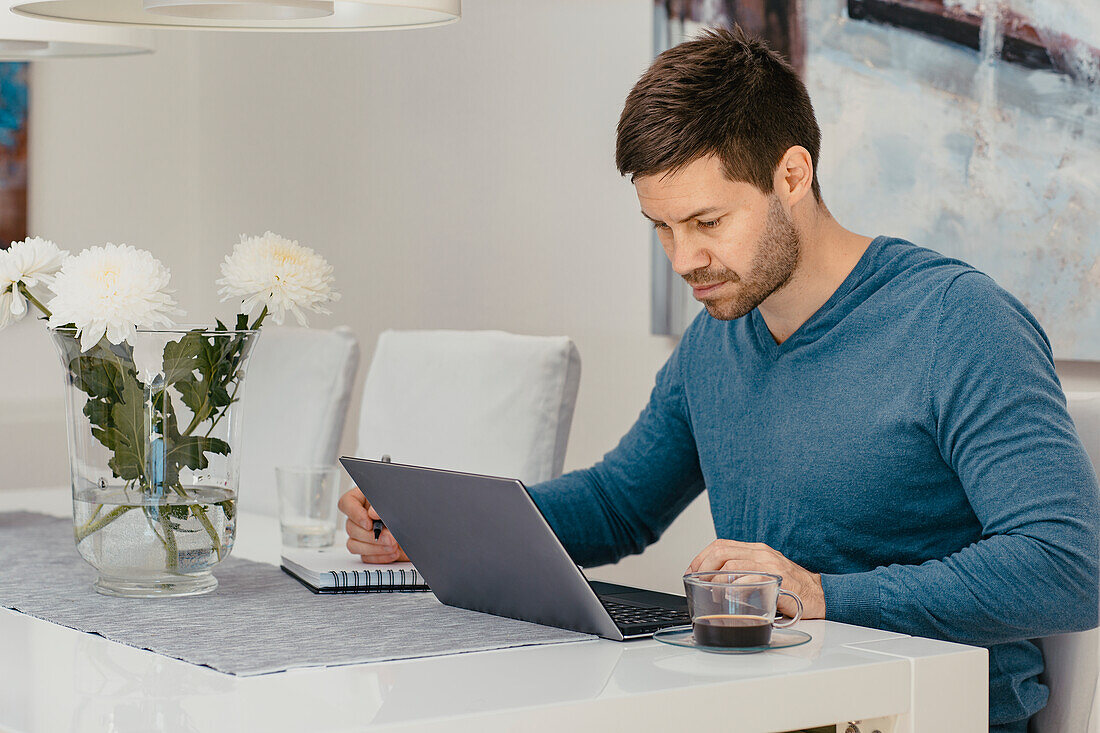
pixel 731 556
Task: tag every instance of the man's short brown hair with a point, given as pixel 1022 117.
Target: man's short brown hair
pixel 722 94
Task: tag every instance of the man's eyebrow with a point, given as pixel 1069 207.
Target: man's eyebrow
pixel 700 212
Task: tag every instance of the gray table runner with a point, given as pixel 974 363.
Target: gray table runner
pixel 259 620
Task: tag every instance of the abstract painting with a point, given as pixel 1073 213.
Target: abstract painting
pixel 968 126
pixel 13 152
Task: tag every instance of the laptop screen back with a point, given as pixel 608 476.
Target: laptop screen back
pixel 481 543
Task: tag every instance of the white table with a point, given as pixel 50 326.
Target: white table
pixel 56 679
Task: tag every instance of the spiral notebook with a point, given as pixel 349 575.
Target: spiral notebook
pixel 335 570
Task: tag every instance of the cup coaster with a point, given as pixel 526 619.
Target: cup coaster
pixel 683 636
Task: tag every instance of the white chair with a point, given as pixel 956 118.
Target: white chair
pixel 1071 660
pixel 294 403
pixel 476 401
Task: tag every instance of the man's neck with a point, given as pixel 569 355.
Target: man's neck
pixel 829 253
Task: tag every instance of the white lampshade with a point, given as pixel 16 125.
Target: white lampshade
pixel 24 39
pixel 255 15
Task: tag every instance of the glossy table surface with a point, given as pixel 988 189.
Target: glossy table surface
pixel 55 679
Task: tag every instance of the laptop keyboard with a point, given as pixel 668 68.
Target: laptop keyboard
pixel 642 619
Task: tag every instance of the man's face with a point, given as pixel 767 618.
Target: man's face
pixel 733 244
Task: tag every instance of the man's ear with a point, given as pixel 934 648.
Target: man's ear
pixel 794 176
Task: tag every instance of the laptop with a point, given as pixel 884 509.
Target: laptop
pixel 482 544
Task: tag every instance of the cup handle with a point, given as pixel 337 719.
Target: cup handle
pixel 798 613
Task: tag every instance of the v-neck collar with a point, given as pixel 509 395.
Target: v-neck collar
pixel 818 322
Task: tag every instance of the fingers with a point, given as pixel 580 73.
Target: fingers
pixel 356 507
pixel 717 553
pixel 696 564
pixel 727 556
pixel 361 541
pixel 373 552
pixel 382 550
pixel 730 556
pixel 360 528
pixel 365 535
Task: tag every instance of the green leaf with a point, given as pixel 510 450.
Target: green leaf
pixel 211 356
pixel 98 412
pixel 217 445
pixel 126 463
pixel 129 421
pixel 186 451
pixel 219 397
pixel 110 438
pixel 193 394
pixel 191 450
pixel 124 352
pixel 242 322
pixel 157 398
pixel 181 358
pixel 99 378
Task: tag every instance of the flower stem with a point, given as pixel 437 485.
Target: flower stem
pixel 93 526
pixel 260 319
pixel 201 513
pixel 27 294
pixel 220 415
pixel 154 530
pixel 199 417
pixel 171 549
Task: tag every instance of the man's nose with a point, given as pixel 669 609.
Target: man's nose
pixel 686 255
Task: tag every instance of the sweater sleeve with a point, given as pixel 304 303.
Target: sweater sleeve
pixel 626 501
pixel 999 417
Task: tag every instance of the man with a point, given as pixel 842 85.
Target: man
pixel 879 424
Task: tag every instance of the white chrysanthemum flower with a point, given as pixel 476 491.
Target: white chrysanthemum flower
pixel 7 305
pixel 111 291
pixel 279 274
pixel 32 263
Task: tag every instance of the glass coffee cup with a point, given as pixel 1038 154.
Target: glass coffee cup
pixel 735 609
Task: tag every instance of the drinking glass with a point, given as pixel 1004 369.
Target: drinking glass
pixel 307 504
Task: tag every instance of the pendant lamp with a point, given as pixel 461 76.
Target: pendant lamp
pixel 253 15
pixel 24 39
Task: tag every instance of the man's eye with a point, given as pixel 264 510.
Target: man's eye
pixel 709 224
pixel 660 225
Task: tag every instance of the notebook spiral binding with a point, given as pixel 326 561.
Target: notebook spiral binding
pixel 372 578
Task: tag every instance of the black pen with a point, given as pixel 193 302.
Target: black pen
pixel 378 525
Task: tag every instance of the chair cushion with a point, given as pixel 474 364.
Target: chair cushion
pixel 295 399
pixel 1084 408
pixel 477 401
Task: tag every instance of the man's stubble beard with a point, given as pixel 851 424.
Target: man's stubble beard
pixel 771 268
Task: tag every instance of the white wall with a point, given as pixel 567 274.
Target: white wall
pixel 460 177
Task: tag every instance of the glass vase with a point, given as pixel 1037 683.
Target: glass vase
pixel 154 426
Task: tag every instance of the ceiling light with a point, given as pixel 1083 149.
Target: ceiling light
pixel 23 39
pixel 241 10
pixel 256 15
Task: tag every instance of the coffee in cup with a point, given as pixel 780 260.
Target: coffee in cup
pixel 732 630
pixel 735 609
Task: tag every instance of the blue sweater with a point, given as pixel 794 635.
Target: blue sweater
pixel 910 442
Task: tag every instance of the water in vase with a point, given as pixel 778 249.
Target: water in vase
pixel 173 540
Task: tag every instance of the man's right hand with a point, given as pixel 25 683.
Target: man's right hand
pixel 360 527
